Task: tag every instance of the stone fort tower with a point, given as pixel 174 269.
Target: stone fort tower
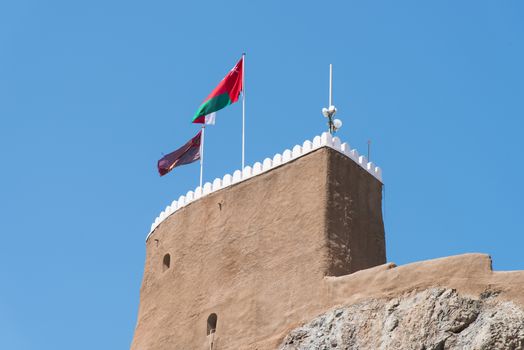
pixel 239 262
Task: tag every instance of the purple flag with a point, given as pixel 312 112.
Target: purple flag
pixel 188 153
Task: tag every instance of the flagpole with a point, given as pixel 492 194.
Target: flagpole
pixel 243 108
pixel 202 154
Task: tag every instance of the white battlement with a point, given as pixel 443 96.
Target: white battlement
pixel 325 140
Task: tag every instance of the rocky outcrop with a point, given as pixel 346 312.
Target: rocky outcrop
pixel 431 319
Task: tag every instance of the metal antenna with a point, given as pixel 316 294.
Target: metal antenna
pixel 369 150
pixel 333 124
pixel 330 118
pixel 330 85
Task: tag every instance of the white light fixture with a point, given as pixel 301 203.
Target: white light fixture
pixel 337 123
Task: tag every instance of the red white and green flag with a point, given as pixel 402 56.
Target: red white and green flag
pixel 226 93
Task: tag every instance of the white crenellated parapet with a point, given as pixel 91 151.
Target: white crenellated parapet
pixel 267 164
pixel 257 168
pixel 286 156
pixel 324 140
pixel 217 184
pixel 247 173
pixel 307 146
pixel 344 148
pixel 316 142
pixel 277 160
pixel 207 188
pixel 237 176
pixel 336 144
pixel 227 180
pixel 181 201
pixel 297 151
pixel 362 160
pixel 353 154
pixel 377 172
pixel 198 192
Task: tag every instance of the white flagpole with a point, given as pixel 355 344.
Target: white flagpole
pixel 202 154
pixel 243 108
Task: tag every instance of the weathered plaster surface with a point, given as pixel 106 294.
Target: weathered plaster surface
pixel 257 249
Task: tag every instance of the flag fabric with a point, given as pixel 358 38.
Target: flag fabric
pixel 186 154
pixel 226 93
pixel 210 118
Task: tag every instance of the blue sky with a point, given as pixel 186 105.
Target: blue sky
pixel 92 93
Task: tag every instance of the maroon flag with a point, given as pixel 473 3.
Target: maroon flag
pixel 186 154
